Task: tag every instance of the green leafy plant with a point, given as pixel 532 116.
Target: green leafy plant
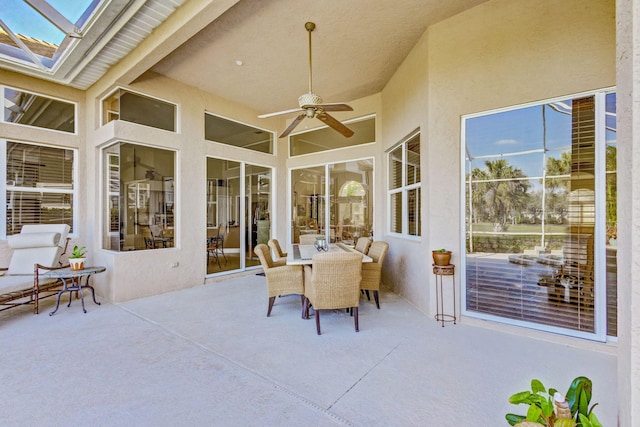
pixel 441 250
pixel 78 252
pixel 572 410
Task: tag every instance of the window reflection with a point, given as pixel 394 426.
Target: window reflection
pixel 39 111
pixel 140 186
pixel 349 212
pixel 530 213
pixel 136 108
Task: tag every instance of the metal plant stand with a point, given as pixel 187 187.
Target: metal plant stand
pixel 440 271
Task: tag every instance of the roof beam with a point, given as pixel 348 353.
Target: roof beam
pixel 22 46
pixel 52 15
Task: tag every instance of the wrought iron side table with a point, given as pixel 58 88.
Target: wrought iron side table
pixel 440 271
pixel 72 281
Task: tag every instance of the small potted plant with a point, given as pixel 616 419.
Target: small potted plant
pixel 441 257
pixel 77 259
pixel 548 408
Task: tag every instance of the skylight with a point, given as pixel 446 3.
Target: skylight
pixel 36 32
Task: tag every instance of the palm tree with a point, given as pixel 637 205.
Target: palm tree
pixel 501 191
pixel 557 184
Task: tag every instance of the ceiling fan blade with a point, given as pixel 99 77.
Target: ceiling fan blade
pixel 292 126
pixel 336 107
pixel 278 113
pixel 335 124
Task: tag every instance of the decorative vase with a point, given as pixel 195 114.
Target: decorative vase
pixel 76 263
pixel 441 258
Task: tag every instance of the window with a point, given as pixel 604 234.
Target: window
pixel 140 197
pixel 133 107
pixel 239 215
pixel 39 185
pixel 225 131
pixel 349 213
pixel 540 191
pixel 404 187
pixel 30 109
pixel 325 138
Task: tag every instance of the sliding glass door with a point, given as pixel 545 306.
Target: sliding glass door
pixel 238 213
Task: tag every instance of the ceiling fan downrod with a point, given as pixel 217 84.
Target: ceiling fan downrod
pixel 310 26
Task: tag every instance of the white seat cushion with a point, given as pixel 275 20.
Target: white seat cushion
pixel 18 282
pixel 63 229
pixel 34 240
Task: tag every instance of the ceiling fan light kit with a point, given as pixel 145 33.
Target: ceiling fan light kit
pixel 310 104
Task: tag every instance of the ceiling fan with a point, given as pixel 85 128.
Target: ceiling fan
pixel 311 104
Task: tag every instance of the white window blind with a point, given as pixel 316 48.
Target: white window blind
pixel 39 185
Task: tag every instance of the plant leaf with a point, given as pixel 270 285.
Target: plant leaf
pixel 514 419
pixel 583 407
pixel 537 387
pixel 575 389
pixel 595 422
pixel 547 407
pixel 522 397
pixel 533 414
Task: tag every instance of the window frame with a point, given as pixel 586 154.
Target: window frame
pixel 106 194
pixel 4 187
pixel 67 101
pixel 600 283
pixel 176 117
pixel 326 212
pixel 274 137
pixel 404 189
pixel 332 150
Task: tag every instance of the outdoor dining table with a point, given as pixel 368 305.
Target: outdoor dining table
pixel 302 254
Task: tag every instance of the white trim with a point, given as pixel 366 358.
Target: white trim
pixel 177 112
pixel 55 98
pixel 243 197
pixel 403 189
pixel 104 192
pixel 326 195
pixel 600 284
pixel 274 140
pixel 4 187
pixel 338 149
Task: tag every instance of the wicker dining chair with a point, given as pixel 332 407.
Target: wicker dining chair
pixel 281 280
pixel 362 245
pixel 279 258
pixel 372 271
pixel 333 282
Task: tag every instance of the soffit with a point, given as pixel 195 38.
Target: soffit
pixel 118 27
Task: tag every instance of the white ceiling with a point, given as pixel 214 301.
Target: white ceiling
pixel 357 46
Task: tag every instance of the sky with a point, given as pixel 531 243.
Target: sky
pixel 22 19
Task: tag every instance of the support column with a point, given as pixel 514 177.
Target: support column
pixel 628 123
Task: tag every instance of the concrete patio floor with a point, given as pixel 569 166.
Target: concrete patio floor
pixel 209 356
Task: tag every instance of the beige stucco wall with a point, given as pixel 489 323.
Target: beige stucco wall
pixel 498 54
pixel 142 273
pixel 628 121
